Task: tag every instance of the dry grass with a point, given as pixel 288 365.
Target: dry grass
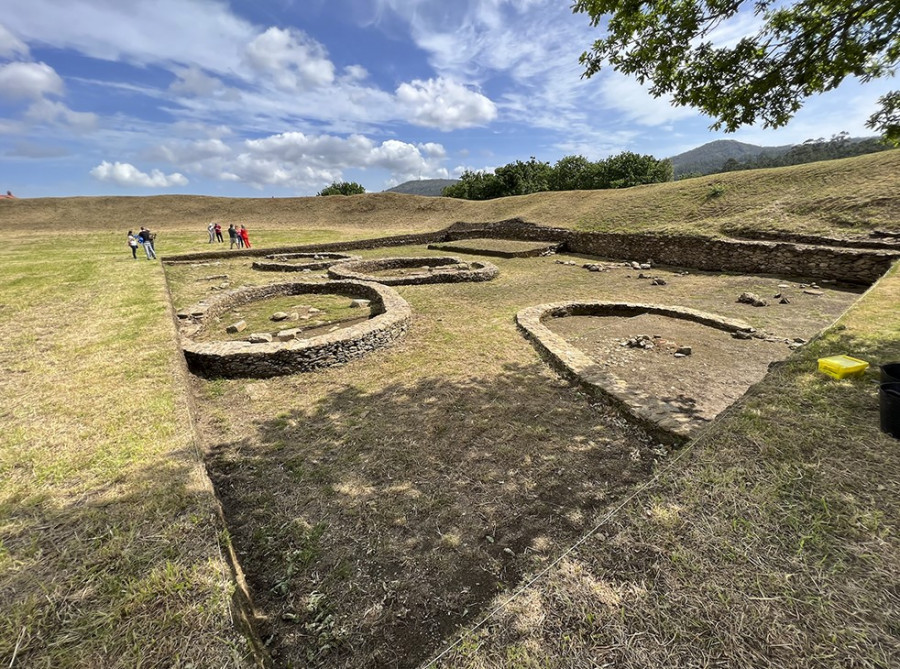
pixel 772 543
pixel 401 492
pixel 109 555
pixel 839 197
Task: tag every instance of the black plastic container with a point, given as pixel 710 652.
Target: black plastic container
pixel 889 401
pixel 890 373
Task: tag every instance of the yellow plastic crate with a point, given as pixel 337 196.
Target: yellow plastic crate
pixel 841 366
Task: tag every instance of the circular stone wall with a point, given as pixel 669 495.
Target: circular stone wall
pixel 666 421
pixel 439 269
pixel 391 315
pixel 282 262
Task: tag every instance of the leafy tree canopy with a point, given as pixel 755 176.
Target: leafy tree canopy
pixel 342 188
pixel 570 173
pixel 802 47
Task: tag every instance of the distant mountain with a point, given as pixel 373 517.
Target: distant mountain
pixel 428 187
pixel 710 158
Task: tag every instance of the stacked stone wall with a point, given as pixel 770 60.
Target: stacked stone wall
pixel 750 257
pixel 359 270
pixel 665 421
pixel 242 359
pixel 861 266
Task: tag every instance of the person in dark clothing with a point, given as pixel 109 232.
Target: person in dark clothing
pixel 218 229
pixel 233 236
pixel 146 240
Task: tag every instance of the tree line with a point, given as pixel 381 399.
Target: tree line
pixel 569 173
pixel 811 151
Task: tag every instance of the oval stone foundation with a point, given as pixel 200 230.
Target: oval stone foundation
pixel 390 320
pixel 668 420
pixel 434 269
pixel 300 262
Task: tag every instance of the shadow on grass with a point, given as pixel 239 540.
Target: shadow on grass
pixel 373 524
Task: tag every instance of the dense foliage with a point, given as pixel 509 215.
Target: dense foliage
pixel 801 48
pixel 570 173
pixel 343 188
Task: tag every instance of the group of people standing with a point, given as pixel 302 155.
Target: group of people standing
pixel 143 238
pixel 238 237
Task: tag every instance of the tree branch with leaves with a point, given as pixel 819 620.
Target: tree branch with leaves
pixel 799 49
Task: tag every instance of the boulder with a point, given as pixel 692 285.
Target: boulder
pixel 752 298
pixel 239 326
pixel 359 304
pixel 279 316
pixel 260 338
pixel 287 335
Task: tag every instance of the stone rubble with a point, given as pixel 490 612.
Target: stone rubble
pixel 753 299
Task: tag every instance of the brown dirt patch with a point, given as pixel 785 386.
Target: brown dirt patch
pixel 718 371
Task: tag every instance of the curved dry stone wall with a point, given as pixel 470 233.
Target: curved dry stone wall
pixel 287 262
pixel 440 269
pixel 537 249
pixel 666 421
pixel 391 316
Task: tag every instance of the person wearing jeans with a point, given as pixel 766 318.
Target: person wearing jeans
pixel 147 243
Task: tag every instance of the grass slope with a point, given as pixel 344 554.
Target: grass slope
pixel 840 197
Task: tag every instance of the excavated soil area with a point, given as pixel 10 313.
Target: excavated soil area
pixel 379 506
pixel 717 372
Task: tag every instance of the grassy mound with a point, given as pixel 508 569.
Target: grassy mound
pixel 839 197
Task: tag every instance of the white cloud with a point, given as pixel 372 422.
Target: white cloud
pixel 201 32
pixel 10 45
pixel 29 81
pixel 189 154
pixel 194 82
pixel 126 174
pixel 626 95
pixel 302 161
pixel 441 103
pixel 294 61
pixel 56 113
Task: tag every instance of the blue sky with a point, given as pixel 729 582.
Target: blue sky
pixel 282 97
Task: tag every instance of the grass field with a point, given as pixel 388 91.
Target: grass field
pixel 395 496
pixel 770 541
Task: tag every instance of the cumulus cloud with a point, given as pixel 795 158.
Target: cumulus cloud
pixel 50 112
pixel 29 81
pixel 194 82
pixel 126 174
pixel 302 161
pixel 10 45
pixel 444 104
pixel 293 60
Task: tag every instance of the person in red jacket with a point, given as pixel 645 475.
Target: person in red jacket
pixel 218 231
pixel 245 237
